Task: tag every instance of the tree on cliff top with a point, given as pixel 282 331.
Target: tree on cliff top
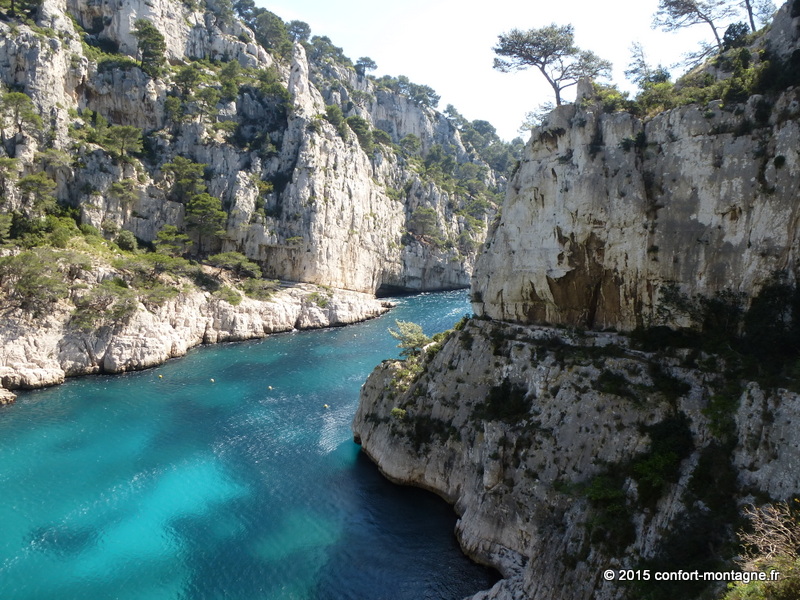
pixel 677 14
pixel 552 50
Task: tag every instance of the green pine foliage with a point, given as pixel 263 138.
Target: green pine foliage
pixel 205 217
pixel 236 263
pixel 34 280
pixel 123 140
pixel 411 337
pixel 152 47
pixel 363 132
pixel 335 117
pixel 109 303
pixel 187 178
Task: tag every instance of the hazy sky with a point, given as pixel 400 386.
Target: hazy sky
pixel 447 44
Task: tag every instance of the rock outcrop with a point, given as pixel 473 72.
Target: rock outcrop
pixel 606 208
pixel 565 455
pixel 308 200
pixel 41 352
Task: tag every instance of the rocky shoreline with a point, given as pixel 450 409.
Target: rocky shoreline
pixel 41 352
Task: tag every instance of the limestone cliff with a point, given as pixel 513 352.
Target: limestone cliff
pixel 568 448
pixel 606 208
pixel 565 455
pixel 42 351
pixel 308 200
pixel 318 173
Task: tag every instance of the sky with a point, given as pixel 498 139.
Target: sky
pixel 447 44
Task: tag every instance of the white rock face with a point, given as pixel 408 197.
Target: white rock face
pixel 519 480
pixel 338 224
pixel 335 216
pixel 606 208
pixel 591 230
pixel 43 352
pixel 539 437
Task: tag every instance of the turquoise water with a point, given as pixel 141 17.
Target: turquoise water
pixel 164 485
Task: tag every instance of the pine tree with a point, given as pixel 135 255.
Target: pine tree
pixel 411 338
pixel 205 216
pixel 152 47
pixel 122 139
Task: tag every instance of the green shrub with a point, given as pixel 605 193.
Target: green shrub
pixel 335 117
pixel 108 303
pixel 228 295
pixel 381 137
pixel 613 383
pixel 363 132
pixel 320 299
pixel 670 442
pixel 36 279
pixel 399 413
pixel 259 289
pixel 609 522
pixel 127 241
pixel 425 429
pixel 236 262
pixel 157 293
pixel 772 543
pixel 672 387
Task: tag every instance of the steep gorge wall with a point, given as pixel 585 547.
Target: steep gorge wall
pixel 607 208
pixel 545 442
pixel 567 453
pixel 336 216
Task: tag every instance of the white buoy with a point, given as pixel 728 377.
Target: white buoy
pixel 212 381
pixel 325 406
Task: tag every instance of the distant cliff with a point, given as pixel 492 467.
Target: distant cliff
pixel 307 199
pixel 142 142
pixel 629 380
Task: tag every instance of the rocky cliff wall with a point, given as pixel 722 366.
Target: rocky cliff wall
pixel 335 213
pixel 565 455
pixel 607 208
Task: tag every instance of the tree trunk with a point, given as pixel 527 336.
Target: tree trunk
pixel 749 6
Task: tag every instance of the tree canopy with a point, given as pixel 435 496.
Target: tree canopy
pixel 411 337
pixel 641 72
pixel 677 14
pixel 364 64
pixel 121 140
pixel 271 33
pixel 552 51
pixel 299 31
pixel 420 94
pixel 204 216
pixel 152 47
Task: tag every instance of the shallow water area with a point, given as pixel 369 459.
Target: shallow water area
pixel 166 484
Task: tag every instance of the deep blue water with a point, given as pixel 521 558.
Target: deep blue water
pixel 164 485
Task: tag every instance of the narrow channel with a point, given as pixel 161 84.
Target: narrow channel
pixel 229 473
